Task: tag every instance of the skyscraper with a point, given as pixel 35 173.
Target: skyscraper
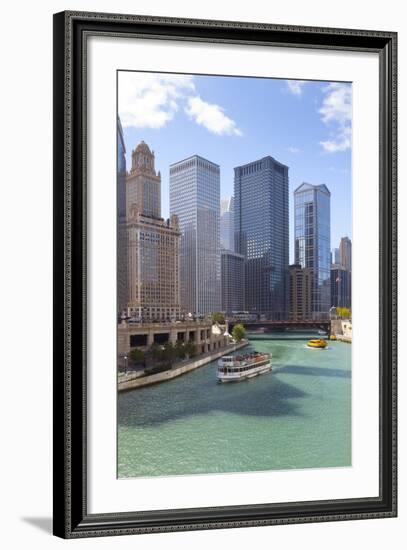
pixel 227 224
pixel 340 287
pixel 233 287
pixel 335 256
pixel 152 244
pixel 261 231
pixel 300 292
pixel 195 199
pixel 312 205
pixel 143 184
pixel 345 253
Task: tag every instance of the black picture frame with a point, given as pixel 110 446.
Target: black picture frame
pixel 71 519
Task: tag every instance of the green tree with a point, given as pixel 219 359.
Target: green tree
pixel 137 356
pixel 169 353
pixel 343 312
pixel 180 349
pixel 154 354
pixel 218 317
pixel 238 332
pixel 190 349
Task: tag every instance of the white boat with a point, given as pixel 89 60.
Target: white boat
pixel 233 368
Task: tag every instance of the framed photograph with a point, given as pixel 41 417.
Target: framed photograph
pixel 224 274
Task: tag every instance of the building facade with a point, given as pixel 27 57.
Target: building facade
pixel 233 281
pixel 152 245
pixel 312 244
pixel 195 199
pixel 345 253
pixel 335 256
pixel 261 234
pixel 143 184
pixel 227 224
pixel 122 259
pixel 341 287
pixel 300 293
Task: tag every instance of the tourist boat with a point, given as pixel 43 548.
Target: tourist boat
pixel 233 368
pixel 317 343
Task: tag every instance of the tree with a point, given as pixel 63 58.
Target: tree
pixel 180 349
pixel 238 332
pixel 218 317
pixel 154 354
pixel 168 353
pixel 343 312
pixel 137 356
pixel 190 349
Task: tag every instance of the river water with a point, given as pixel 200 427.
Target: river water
pixel 297 416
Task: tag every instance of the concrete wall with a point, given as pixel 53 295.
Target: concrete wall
pixel 138 382
pixel 336 326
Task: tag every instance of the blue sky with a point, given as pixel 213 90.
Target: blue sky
pixel 235 120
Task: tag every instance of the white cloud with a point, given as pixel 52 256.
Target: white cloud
pixel 211 116
pixel 151 100
pixel 295 86
pixel 294 150
pixel 336 112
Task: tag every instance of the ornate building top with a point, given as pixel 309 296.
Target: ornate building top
pixel 142 159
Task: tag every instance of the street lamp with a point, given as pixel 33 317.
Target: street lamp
pixel 125 364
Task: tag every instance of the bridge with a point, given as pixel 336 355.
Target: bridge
pixel 275 326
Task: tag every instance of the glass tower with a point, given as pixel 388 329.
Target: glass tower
pixel 312 205
pixel 232 281
pixel 195 199
pixel 261 234
pixel 227 225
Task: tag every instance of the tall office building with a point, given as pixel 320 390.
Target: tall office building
pixel 143 184
pixel 261 232
pixel 232 269
pixel 312 205
pixel 195 199
pixel 227 224
pixel 345 253
pixel 341 289
pixel 152 244
pixel 122 260
pixel 335 256
pixel 300 293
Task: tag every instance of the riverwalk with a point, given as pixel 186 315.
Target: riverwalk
pixel 133 380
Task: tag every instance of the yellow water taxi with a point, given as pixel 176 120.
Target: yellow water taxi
pixel 317 343
pixel 332 337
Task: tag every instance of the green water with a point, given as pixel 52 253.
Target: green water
pixel 298 416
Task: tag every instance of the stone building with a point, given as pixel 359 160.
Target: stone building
pixel 152 244
pixel 300 293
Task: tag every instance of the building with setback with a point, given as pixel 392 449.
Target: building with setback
pixel 152 244
pixel 312 245
pixel 195 199
pixel 261 232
